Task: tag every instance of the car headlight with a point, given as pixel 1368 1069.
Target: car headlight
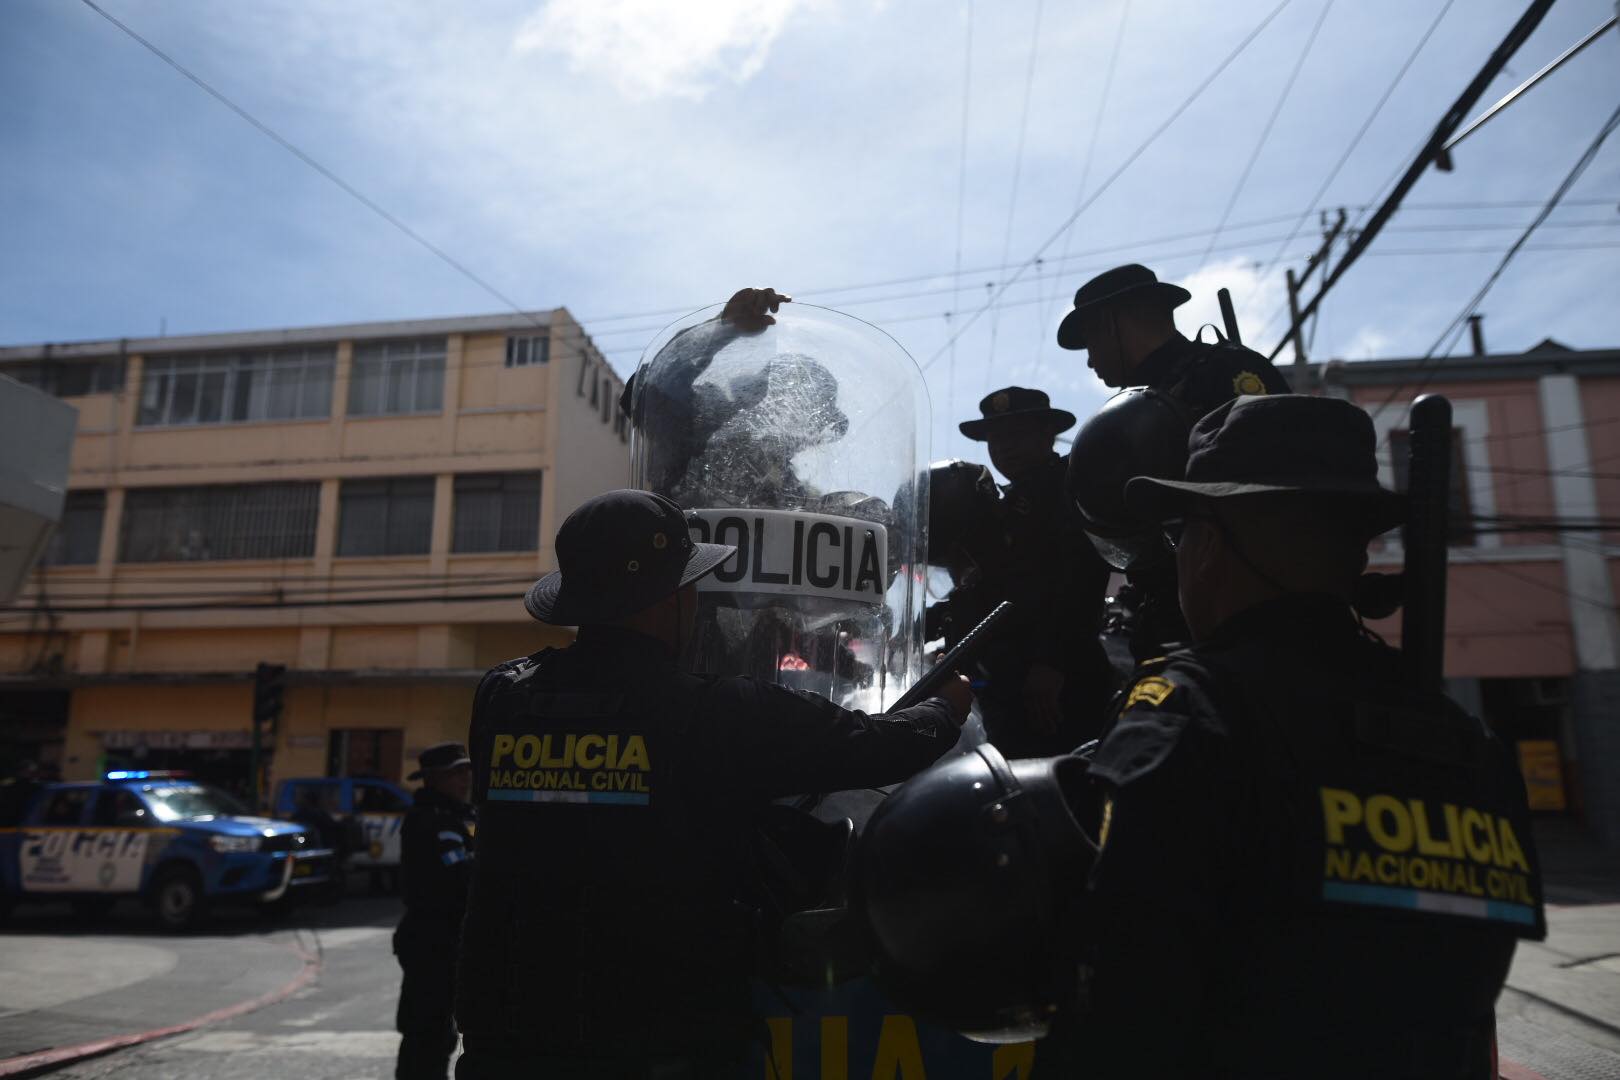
pixel 228 845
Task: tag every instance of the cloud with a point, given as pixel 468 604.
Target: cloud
pixel 1255 299
pixel 652 48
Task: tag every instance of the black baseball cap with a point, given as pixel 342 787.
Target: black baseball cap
pixel 1278 444
pixel 1110 286
pixel 440 757
pixel 618 553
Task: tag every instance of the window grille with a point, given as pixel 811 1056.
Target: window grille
pixel 391 516
pixel 496 512
pixel 397 377
pixel 226 521
pixel 233 388
pixel 526 351
pixel 77 539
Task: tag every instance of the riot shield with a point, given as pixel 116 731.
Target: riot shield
pixel 805 445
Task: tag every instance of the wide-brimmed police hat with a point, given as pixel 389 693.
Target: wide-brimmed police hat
pixel 1278 444
pixel 618 553
pixel 438 758
pixel 1014 406
pixel 1110 286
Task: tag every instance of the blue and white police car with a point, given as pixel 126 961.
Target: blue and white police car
pixel 176 844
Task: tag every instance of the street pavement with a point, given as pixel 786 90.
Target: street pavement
pixel 63 983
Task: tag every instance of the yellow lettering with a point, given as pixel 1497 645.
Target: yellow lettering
pixel 601 781
pixel 635 754
pixel 1420 872
pixel 1427 844
pixel 1339 808
pixel 1338 864
pixel 1363 870
pixel 1396 838
pixel 1012 1061
pixel 780 1063
pixel 1512 853
pixel 1477 837
pixel 563 762
pixel 588 752
pixel 527 752
pixel 503 746
pixel 613 752
pixel 1389 869
pixel 835 1048
pixel 898 1053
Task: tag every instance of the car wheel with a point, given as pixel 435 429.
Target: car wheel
pixel 178 897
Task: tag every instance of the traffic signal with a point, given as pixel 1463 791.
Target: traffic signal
pixel 269 694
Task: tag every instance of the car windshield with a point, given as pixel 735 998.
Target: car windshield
pixel 176 803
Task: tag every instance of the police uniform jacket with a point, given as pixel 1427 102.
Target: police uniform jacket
pixel 1306 869
pixel 436 847
pixel 616 795
pixel 1201 377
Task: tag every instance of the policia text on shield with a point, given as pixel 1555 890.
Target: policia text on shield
pixel 616 793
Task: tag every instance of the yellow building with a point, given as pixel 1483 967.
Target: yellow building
pixel 364 504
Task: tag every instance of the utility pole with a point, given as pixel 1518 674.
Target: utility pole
pixel 269 694
pixel 1296 326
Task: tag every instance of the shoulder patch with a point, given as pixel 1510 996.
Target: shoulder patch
pixel 1154 690
pixel 1247 382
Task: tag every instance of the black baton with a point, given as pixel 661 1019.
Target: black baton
pixel 960 655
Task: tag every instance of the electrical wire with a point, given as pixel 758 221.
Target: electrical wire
pixel 961 199
pixel 1102 188
pixel 1018 169
pixel 1454 329
pixel 1271 122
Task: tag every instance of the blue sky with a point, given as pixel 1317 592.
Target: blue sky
pixel 626 156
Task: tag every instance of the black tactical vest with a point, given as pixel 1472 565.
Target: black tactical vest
pixel 602 920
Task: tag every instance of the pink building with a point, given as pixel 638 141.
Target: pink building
pixel 1532 638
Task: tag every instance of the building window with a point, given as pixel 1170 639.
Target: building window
pixel 397 377
pixel 365 752
pixel 526 351
pixel 497 512
pixel 386 517
pixel 70 378
pixel 77 539
pixel 288 384
pixel 1460 529
pixel 227 521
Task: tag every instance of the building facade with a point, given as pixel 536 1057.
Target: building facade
pixel 363 504
pixel 1532 636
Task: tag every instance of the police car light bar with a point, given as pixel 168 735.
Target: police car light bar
pixel 146 774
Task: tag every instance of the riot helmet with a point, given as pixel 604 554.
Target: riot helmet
pixel 964 878
pixel 1138 432
pixel 962 506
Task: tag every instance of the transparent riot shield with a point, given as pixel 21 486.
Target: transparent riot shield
pixel 804 444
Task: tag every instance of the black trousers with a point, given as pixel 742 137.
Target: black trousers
pixel 426 1015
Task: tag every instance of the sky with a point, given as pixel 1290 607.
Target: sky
pixel 631 160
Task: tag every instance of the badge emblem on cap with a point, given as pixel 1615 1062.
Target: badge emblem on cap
pixel 999 403
pixel 660 541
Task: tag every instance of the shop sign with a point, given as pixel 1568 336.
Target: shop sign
pixel 177 740
pixel 1543 773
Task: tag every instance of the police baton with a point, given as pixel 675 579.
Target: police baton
pixel 961 655
pixel 1428 489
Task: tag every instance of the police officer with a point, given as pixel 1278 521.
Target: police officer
pixel 1054 579
pixel 603 936
pixel 1124 319
pixel 1307 868
pixel 436 848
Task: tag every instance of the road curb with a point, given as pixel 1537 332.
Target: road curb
pixel 55 1058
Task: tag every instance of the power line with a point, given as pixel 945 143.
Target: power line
pixel 1115 175
pixel 1458 323
pixel 1018 168
pixel 1271 121
pixel 1355 140
pixel 301 155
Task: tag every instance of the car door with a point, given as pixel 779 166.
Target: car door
pixel 52 855
pixel 120 840
pixel 380 808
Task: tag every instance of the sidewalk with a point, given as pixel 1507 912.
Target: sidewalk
pixel 1559 1017
pixel 60 991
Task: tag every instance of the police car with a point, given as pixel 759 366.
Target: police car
pixel 373 809
pixel 177 844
